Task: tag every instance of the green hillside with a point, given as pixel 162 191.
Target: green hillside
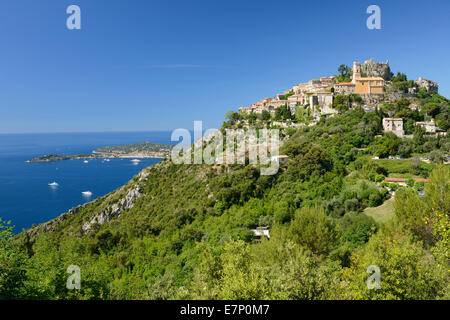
pixel 184 231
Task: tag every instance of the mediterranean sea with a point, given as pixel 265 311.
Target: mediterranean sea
pixel 25 196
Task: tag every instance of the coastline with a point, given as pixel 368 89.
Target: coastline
pixel 70 157
pixel 145 150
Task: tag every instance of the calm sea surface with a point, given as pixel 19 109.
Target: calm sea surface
pixel 26 198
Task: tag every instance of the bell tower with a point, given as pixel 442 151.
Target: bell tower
pixel 356 71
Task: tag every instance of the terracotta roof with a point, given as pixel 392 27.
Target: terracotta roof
pixel 371 78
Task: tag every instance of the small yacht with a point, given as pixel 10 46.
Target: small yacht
pixel 86 193
pixel 135 160
pixel 85 161
pixel 53 184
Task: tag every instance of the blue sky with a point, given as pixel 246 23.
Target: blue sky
pixel 142 65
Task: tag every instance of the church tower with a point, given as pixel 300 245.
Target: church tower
pixel 356 71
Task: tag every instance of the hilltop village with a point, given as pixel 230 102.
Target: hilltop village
pixel 351 190
pixel 369 85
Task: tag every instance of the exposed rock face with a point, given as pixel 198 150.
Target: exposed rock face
pixel 376 69
pixel 429 85
pixel 114 210
pixel 374 100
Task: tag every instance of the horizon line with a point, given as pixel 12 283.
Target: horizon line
pixel 68 132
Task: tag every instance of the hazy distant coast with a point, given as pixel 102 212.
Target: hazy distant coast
pixel 137 150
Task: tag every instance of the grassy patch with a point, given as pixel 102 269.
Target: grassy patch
pixel 382 213
pixel 403 168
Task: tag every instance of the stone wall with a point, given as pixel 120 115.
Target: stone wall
pixel 376 69
pixel 373 100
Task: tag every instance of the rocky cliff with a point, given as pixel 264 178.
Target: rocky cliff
pixel 376 69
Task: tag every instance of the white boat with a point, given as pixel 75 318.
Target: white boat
pixel 136 160
pixel 85 161
pixel 86 193
pixel 53 184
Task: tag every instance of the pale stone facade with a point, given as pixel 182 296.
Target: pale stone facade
pixel 279 103
pixel 315 85
pixel 360 85
pixel 428 126
pixel 368 85
pixel 344 88
pixel 394 125
pixel 322 99
pixel 298 98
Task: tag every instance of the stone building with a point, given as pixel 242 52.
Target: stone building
pixel 429 126
pixel 394 125
pixel 320 104
pixel 301 99
pixel 322 99
pixel 315 85
pixel 278 103
pixel 280 159
pixel 344 88
pixel 266 101
pixel 367 85
pixel 364 85
pixel 245 109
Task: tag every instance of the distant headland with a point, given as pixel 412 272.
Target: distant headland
pixel 137 150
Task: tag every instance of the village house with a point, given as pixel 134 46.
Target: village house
pixel 344 88
pixel 322 99
pixel 245 109
pixel 429 126
pixel 394 125
pixel 257 105
pixel 368 85
pixel 266 101
pixel 279 159
pixel 261 232
pixel 298 98
pixel 259 109
pixel 360 85
pixel 373 85
pixel 279 103
pixel 315 85
pixel 328 80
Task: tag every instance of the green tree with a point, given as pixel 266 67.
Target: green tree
pixel 437 199
pixel 265 115
pixel 410 211
pixel 313 229
pixel 406 270
pixel 283 113
pixel 13 266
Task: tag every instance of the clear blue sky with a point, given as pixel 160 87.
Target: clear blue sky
pixel 139 65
